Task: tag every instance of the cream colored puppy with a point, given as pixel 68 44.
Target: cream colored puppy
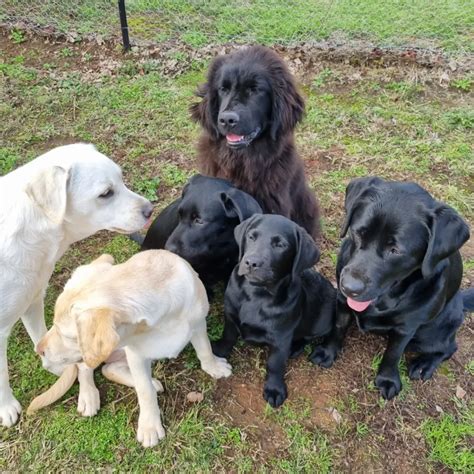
pixel 61 197
pixel 151 306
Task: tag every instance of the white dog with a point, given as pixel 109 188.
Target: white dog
pixel 59 198
pixel 152 306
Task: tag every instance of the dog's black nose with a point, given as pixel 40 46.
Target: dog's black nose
pixel 350 286
pixel 229 119
pixel 253 262
pixel 147 210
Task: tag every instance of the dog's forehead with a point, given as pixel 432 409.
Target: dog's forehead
pixel 273 226
pixel 243 72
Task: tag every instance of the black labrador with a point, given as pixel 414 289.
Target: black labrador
pixel 274 297
pixel 399 272
pixel 200 226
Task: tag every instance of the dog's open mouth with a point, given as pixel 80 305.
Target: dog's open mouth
pixel 238 141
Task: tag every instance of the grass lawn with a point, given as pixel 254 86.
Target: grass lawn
pixel 446 24
pixel 399 122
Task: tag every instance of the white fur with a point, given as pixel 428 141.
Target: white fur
pixel 158 305
pixel 45 206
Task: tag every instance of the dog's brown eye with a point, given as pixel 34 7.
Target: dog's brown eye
pixel 251 237
pixel 107 194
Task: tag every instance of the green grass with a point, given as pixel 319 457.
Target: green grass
pixel 442 23
pixel 450 441
pixel 385 123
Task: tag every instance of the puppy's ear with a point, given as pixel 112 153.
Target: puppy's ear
pixel 238 204
pixel 240 231
pixel 448 232
pixel 307 252
pixel 48 191
pixel 96 334
pixel 206 111
pixel 287 103
pixel 355 190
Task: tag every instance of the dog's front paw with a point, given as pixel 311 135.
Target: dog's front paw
pixel 389 385
pixel 217 368
pixel 275 395
pixel 10 409
pixel 323 355
pixel 88 403
pixel 150 432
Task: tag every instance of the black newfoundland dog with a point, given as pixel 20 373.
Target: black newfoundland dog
pixel 249 109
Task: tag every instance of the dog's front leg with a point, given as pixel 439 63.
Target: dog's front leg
pixel 150 430
pixel 9 406
pixel 325 354
pixel 33 320
pixel 388 377
pixel 275 391
pixel 216 367
pixel 89 400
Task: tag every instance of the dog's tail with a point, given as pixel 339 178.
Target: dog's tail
pixel 56 391
pixel 136 237
pixel 468 299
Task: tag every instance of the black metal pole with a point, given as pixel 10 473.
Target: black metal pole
pixel 124 25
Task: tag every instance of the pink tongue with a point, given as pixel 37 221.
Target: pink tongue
pixel 358 305
pixel 234 138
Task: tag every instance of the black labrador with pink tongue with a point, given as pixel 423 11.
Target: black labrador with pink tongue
pixel 399 274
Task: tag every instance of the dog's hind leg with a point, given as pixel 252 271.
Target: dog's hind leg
pixel 9 406
pixel 216 367
pixel 424 366
pixel 118 371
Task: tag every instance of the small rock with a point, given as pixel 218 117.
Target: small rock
pixel 194 397
pixel 439 409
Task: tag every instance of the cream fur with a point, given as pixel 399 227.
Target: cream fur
pixel 151 306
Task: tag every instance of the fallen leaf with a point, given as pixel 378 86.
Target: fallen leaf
pixel 460 392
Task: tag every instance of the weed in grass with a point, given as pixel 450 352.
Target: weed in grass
pixel 17 36
pixel 8 160
pixel 463 83
pixel 147 187
pixel 460 118
pixel 470 367
pixel 362 429
pixel 173 175
pixel 121 248
pixel 450 441
pixel 321 79
pixel 66 52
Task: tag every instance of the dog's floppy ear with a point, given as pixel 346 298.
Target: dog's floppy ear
pixel 354 191
pixel 239 204
pixel 206 111
pixel 48 191
pixel 96 335
pixel 307 252
pixel 287 103
pixel 448 232
pixel 240 231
